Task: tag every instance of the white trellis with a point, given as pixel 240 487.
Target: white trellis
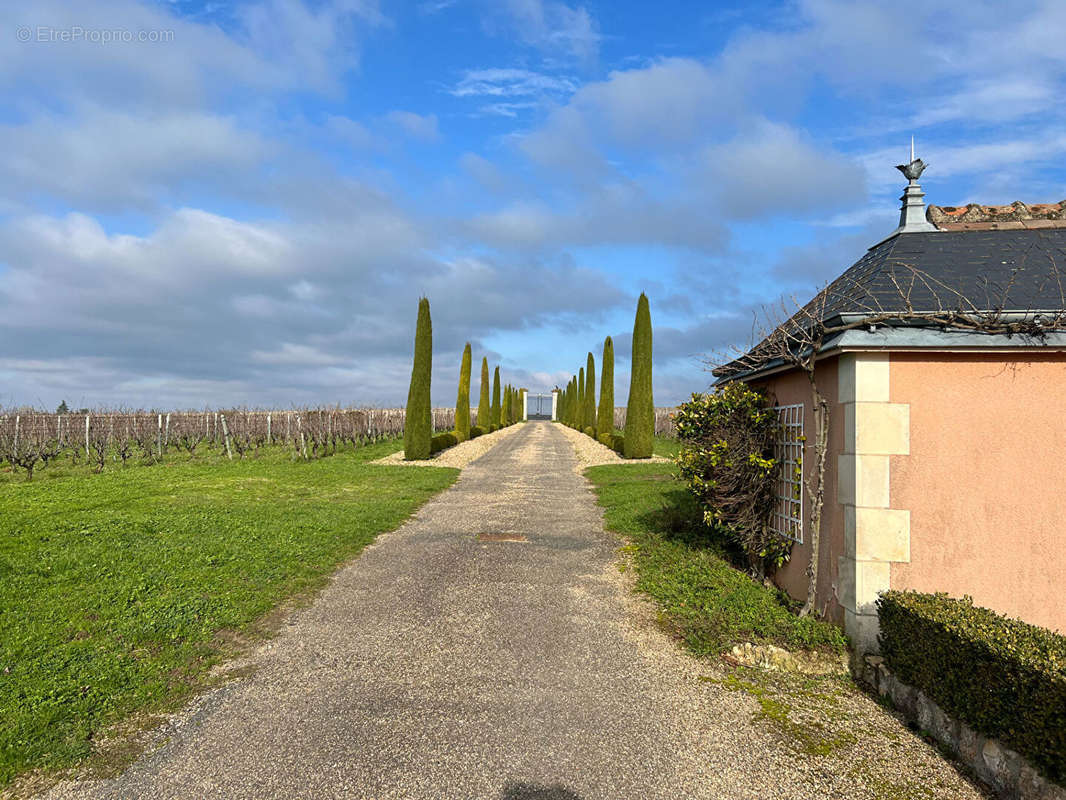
pixel 787 518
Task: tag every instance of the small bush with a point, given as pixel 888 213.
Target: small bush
pixel 727 459
pixel 606 439
pixel 442 441
pixel 476 431
pixel 493 427
pixel 590 431
pixel 618 443
pixel 1003 677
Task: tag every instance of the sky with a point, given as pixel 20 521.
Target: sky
pixel 211 203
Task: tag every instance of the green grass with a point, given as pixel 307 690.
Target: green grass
pixel 686 568
pixel 665 446
pixel 118 591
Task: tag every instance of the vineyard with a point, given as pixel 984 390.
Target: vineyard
pixel 664 420
pixel 31 439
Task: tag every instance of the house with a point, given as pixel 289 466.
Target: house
pixel 941 358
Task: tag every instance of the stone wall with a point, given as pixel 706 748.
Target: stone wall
pixel 1006 772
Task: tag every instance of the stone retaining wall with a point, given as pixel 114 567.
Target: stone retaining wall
pixel 1007 772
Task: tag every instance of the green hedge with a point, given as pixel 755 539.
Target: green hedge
pixel 442 441
pixel 476 431
pixel 607 439
pixel 590 431
pixel 1003 677
pixel 618 443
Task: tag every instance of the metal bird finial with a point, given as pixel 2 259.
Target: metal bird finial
pixel 912 171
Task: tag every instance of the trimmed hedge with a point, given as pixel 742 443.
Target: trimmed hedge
pixel 442 441
pixel 1003 677
pixel 590 431
pixel 618 443
pixel 476 431
pixel 606 439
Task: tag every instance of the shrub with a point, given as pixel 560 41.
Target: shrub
pixel 640 410
pixel 493 428
pixel 588 414
pixel 605 413
pixel 442 441
pixel 418 422
pixel 726 457
pixel 462 402
pixel 476 431
pixel 1003 677
pixel 590 432
pixel 606 439
pixel 483 402
pixel 618 443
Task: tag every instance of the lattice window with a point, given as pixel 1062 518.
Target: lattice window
pixel 787 519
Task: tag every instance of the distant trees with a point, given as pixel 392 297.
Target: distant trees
pixel 577 406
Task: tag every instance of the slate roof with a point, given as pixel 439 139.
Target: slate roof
pixel 1012 270
pixel 1018 270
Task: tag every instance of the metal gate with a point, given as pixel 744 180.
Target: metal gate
pixel 538 406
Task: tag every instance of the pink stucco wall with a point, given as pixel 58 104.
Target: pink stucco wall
pixel 985 480
pixel 790 388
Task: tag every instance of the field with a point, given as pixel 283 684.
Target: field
pixel 119 590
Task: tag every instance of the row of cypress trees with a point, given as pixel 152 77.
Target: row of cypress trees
pixel 577 402
pixel 418 439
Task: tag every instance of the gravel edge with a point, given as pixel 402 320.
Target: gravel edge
pixel 591 453
pixel 458 456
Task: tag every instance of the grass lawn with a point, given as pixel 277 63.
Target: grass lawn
pixel 118 591
pixel 686 568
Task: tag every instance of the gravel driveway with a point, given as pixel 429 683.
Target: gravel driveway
pixel 487 649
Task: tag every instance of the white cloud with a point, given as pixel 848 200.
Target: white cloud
pixel 511 83
pixel 553 27
pixel 106 159
pixel 416 126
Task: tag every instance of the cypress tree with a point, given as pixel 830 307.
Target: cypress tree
pixel 483 399
pixel 589 412
pixel 605 418
pixel 418 422
pixel 497 408
pixel 640 410
pixel 579 411
pixel 507 399
pixel 462 402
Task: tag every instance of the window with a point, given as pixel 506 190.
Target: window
pixel 787 518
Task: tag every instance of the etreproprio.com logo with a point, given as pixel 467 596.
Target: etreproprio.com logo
pixel 77 33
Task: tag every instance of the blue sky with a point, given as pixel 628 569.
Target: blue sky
pixel 240 203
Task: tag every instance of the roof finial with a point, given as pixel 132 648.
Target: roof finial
pixel 912 214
